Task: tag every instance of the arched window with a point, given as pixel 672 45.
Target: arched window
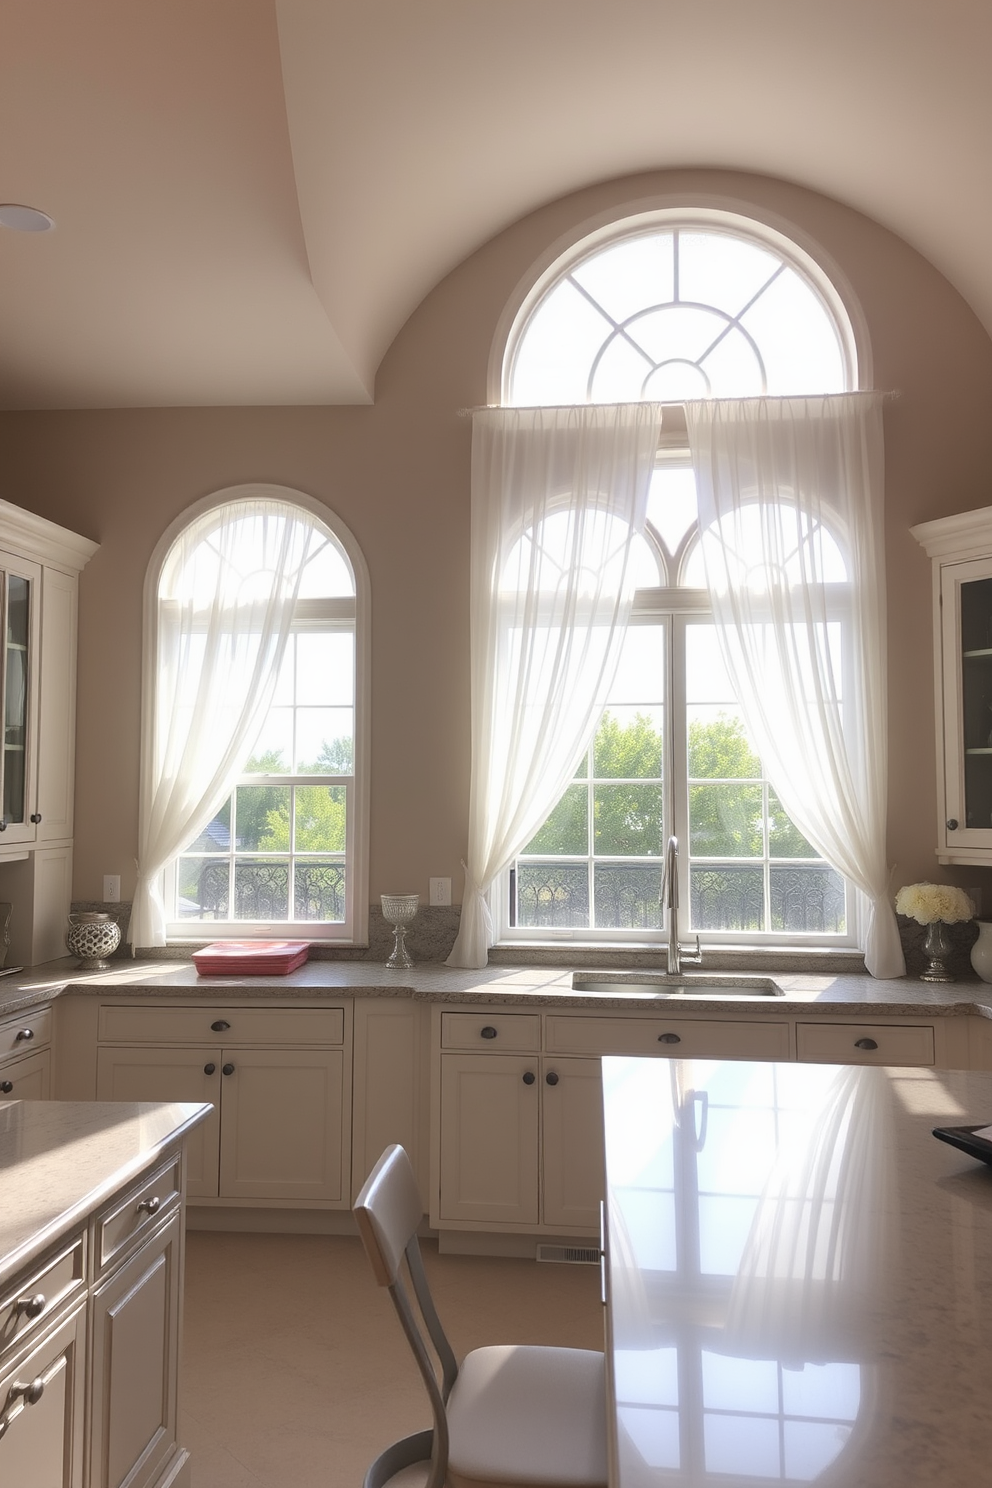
pixel 254 783
pixel 667 307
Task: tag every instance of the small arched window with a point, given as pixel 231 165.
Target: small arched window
pixel 254 792
pixel 669 307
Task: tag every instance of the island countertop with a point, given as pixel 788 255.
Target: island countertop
pixel 798 1276
pixel 827 993
pixel 61 1159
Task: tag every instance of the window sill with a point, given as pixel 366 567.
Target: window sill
pixel 813 960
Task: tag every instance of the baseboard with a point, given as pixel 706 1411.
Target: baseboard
pixel 272 1221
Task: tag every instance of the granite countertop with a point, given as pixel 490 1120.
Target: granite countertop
pixel 830 993
pixel 61 1159
pixel 818 1273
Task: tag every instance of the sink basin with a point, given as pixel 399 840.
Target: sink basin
pixel 663 985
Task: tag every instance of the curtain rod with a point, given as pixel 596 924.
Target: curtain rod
pixel 888 396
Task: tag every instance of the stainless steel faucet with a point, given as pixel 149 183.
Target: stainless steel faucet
pixel 670 898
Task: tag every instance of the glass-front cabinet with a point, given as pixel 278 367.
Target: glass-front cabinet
pixel 20 595
pixel 961 550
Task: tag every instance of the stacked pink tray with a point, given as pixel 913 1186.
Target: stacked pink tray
pixel 251 957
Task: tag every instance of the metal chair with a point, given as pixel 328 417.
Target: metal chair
pixel 512 1414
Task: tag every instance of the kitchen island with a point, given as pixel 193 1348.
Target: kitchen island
pixel 91 1272
pixel 799 1276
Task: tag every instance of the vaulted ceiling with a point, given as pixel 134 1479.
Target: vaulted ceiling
pixel 251 196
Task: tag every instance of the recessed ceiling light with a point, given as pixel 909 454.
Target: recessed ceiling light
pixel 24 219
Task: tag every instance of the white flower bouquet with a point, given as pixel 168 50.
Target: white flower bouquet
pixel 927 903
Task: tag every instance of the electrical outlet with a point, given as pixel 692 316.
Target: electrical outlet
pixel 111 888
pixel 440 890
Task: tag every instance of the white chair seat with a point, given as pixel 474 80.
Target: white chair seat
pixel 529 1415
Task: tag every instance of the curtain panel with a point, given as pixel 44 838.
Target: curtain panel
pixel 790 494
pixel 224 608
pixel 558 495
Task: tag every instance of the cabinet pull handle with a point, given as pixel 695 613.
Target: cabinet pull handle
pixel 221 1026
pixel 149 1206
pixel 32 1307
pixel 551 1078
pixel 952 823
pixel 6 1086
pixel 32 1393
pixel 3 826
pixel 669 1038
pixel 529 1077
pixel 36 817
pixel 24 1036
pixel 865 1043
pixel 208 1069
pixel 489 1031
pixel 227 1069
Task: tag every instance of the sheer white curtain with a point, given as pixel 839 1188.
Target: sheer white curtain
pixel 558 495
pixel 790 497
pixel 220 619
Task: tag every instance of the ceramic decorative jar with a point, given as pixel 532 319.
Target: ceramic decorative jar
pixel 981 951
pixel 92 937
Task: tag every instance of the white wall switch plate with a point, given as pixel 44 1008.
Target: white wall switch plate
pixel 440 890
pixel 111 888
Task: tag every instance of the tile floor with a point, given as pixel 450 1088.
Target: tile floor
pixel 295 1372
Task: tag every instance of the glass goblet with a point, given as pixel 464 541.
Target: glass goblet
pixel 399 910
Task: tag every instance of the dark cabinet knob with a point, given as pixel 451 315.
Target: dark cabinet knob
pixel 3 826
pixel 24 1036
pixel 228 1069
pixel 669 1038
pixel 208 1069
pixel 529 1077
pixel 488 1031
pixel 952 823
pixel 865 1043
pixel 36 817
pixel 32 1307
pixel 6 1086
pixel 149 1206
pixel 32 1393
pixel 221 1026
pixel 551 1078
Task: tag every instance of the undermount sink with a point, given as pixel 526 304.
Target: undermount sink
pixel 663 985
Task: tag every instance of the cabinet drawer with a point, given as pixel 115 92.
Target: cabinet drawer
pixel 41 1293
pixel 136 1023
pixel 682 1038
pixel 138 1212
pixel 491 1032
pixel 27 1079
pixel 21 1035
pixel 41 1432
pixel 864 1043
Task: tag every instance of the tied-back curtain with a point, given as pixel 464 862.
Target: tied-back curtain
pixel 558 496
pixel 225 605
pixel 790 494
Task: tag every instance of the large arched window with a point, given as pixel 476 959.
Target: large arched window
pixel 671 307
pixel 254 787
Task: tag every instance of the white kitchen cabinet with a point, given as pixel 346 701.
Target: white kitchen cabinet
pixel 40 564
pixel 25 1056
pixel 41 1408
pixel 135 1364
pixel 489 1154
pixel 279 1080
pixel 391 1084
pixel 572 1143
pixel 864 1043
pixel 960 548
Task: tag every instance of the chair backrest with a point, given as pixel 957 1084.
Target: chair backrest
pixel 388 1211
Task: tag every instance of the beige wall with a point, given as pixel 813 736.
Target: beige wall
pixel 397 473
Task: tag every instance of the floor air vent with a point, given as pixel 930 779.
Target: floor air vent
pixel 575 1255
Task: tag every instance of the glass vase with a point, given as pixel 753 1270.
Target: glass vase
pixel 937 949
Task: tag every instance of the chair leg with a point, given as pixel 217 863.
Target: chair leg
pixel 403 1453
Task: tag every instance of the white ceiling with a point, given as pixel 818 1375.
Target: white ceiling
pixel 251 196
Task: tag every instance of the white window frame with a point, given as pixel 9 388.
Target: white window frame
pixel 353 930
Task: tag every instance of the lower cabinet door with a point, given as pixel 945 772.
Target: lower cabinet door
pixel 135 1362
pixel 574 1173
pixel 41 1411
pixel 283 1131
pixel 164 1074
pixel 27 1079
pixel 489 1168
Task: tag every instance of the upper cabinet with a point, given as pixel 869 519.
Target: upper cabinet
pixel 40 564
pixel 961 550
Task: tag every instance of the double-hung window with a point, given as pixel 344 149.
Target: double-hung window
pixel 665 310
